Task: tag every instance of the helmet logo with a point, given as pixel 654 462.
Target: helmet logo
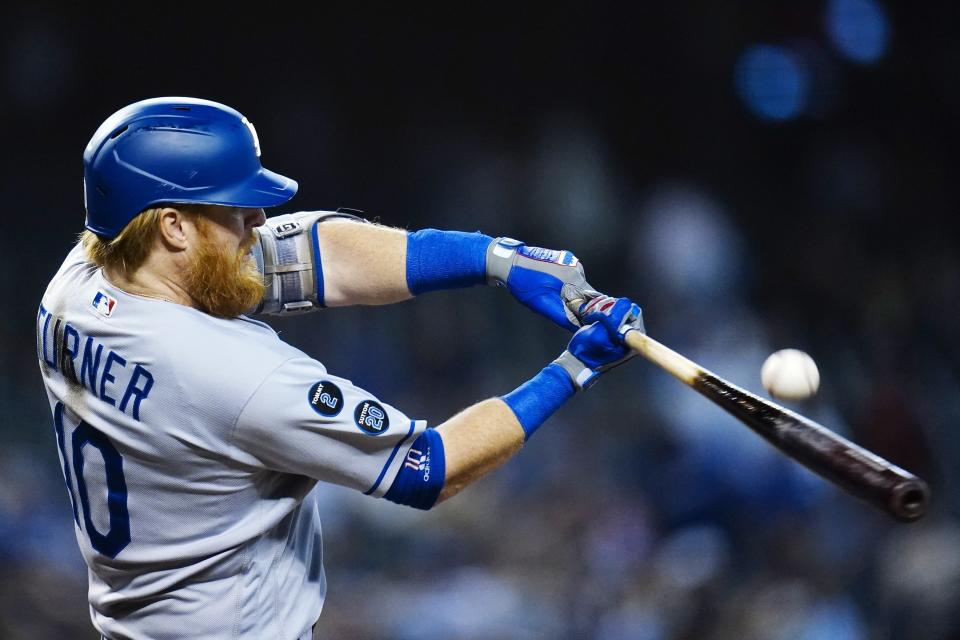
pixel 253 132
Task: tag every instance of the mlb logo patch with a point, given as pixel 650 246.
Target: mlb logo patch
pixel 103 304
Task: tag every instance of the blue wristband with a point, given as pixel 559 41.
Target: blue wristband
pixel 537 399
pixel 445 260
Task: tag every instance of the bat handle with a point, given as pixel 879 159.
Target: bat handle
pixel 575 297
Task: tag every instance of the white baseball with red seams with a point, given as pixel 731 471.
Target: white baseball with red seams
pixel 790 374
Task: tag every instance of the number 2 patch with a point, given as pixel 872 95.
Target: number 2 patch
pixel 371 418
pixel 325 398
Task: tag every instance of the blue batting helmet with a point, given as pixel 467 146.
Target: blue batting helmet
pixel 174 150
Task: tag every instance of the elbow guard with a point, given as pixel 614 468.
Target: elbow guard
pixel 288 256
pixel 420 479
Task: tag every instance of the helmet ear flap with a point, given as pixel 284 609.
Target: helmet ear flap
pixel 176 150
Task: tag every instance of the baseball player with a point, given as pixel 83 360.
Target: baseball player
pixel 191 436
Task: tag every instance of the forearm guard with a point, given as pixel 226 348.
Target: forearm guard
pixel 288 256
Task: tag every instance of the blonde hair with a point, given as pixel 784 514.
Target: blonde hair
pixel 127 251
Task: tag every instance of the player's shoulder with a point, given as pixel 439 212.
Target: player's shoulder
pixel 198 346
pixel 74 270
pixel 212 348
pixel 200 350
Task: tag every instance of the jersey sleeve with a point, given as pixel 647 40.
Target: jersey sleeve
pixel 303 420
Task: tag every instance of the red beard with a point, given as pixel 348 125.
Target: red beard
pixel 222 282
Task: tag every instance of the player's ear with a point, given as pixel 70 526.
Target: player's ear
pixel 176 228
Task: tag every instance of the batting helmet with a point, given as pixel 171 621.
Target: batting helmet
pixel 174 150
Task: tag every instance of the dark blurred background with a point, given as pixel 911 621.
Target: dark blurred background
pixel 758 175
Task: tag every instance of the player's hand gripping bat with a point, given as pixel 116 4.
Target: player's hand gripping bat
pixel 851 467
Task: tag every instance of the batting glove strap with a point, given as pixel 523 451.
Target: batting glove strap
pixel 580 374
pixel 500 258
pixel 288 256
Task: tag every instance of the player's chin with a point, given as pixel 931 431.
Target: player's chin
pixel 232 301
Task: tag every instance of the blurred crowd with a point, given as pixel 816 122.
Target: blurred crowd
pixel 755 177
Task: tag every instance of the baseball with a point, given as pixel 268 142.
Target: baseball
pixel 790 374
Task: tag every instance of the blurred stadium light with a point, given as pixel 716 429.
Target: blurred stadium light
pixel 773 82
pixel 685 241
pixel 858 29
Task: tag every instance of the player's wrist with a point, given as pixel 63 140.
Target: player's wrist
pixel 445 260
pixel 500 257
pixel 537 399
pixel 581 375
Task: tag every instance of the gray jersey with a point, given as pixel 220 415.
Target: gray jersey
pixel 190 446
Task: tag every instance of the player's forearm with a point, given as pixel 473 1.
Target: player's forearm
pixel 372 264
pixel 362 263
pixel 483 437
pixel 476 441
pixel 316 259
pixel 442 461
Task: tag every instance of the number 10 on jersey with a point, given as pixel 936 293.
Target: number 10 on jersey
pixel 82 437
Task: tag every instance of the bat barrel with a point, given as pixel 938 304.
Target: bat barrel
pixel 851 467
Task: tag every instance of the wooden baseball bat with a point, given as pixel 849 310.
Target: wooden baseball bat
pixel 851 467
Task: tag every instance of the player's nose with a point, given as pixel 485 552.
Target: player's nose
pixel 255 218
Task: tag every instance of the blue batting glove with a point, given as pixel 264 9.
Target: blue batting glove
pixel 617 315
pixel 535 277
pixel 599 345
